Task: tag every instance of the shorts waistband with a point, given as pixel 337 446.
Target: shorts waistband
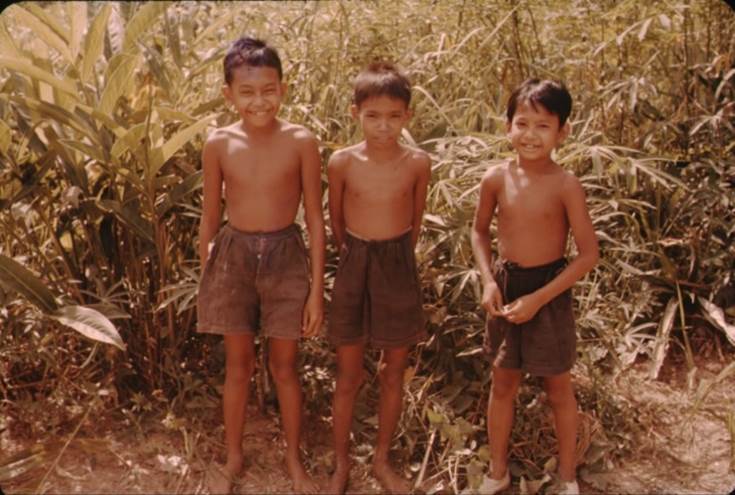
pixel 399 237
pixel 512 266
pixel 272 235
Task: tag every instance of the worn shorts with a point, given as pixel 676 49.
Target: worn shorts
pixel 254 282
pixel 377 295
pixel 546 344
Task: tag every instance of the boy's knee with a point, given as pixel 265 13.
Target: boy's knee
pixel 350 381
pixel 391 376
pixel 504 390
pixel 282 370
pixel 560 397
pixel 240 372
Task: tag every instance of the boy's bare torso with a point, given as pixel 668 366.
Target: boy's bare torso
pixel 261 175
pixel 532 217
pixel 379 198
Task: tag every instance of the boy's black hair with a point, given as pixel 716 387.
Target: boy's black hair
pixel 253 52
pixel 552 95
pixel 381 78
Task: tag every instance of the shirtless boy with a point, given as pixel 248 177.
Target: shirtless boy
pixel 256 276
pixel 527 290
pixel 377 193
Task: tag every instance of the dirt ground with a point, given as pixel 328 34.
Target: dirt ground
pixel 690 449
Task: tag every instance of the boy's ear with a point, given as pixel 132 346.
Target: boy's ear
pixel 227 92
pixel 355 111
pixel 284 88
pixel 564 132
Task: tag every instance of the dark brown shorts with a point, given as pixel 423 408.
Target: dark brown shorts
pixel 254 281
pixel 546 344
pixel 377 296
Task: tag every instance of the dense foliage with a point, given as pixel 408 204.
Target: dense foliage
pixel 104 107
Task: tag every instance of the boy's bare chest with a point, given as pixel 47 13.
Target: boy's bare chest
pixel 243 163
pixel 383 182
pixel 522 198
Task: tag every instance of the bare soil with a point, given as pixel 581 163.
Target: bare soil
pixel 687 448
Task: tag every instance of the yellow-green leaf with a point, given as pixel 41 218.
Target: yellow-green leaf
pixel 141 23
pixel 78 15
pixel 15 276
pixel 41 30
pixel 94 42
pixel 119 83
pixel 160 155
pixel 5 137
pixel 32 71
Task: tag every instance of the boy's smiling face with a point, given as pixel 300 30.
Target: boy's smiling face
pixel 382 118
pixel 256 93
pixel 534 132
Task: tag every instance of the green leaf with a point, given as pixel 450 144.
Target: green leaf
pixel 142 22
pixel 41 28
pixel 93 152
pixel 18 278
pixel 179 192
pixel 58 114
pixel 78 18
pixel 30 70
pixel 90 323
pixel 161 154
pixel 7 46
pixel 129 141
pixel 5 137
pixel 94 42
pixel 119 83
pixel 130 217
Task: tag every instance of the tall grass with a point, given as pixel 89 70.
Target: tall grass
pixel 104 108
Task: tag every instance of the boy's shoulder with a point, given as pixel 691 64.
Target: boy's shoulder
pixel 295 131
pixel 409 156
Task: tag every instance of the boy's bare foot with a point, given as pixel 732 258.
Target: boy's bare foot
pixel 302 482
pixel 221 478
pixel 389 479
pixel 338 481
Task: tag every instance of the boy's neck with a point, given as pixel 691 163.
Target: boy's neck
pixel 381 153
pixel 258 131
pixel 538 166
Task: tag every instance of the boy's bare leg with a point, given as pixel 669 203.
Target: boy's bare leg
pixel 500 417
pixel 349 379
pixel 391 373
pixel 282 363
pixel 560 391
pixel 239 368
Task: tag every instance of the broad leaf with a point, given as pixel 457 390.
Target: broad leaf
pixel 119 83
pixel 94 42
pixel 32 71
pixel 17 277
pixel 160 155
pixel 142 22
pixel 90 323
pixel 43 29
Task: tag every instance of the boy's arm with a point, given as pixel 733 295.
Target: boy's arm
pixel 212 198
pixel 583 232
pixel 419 196
pixel 311 180
pixel 492 299
pixel 336 179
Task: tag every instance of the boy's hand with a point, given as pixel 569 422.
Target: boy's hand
pixel 522 309
pixel 311 321
pixel 492 299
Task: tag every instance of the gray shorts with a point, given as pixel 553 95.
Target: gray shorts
pixel 254 281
